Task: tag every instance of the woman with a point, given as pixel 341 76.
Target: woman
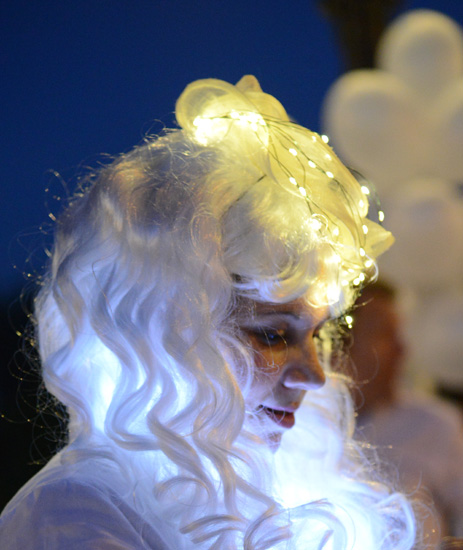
pixel 186 322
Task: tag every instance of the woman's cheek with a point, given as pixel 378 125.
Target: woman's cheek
pixel 268 367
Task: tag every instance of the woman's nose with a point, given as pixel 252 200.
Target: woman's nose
pixel 304 371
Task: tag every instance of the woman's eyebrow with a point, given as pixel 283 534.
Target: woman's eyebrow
pixel 277 313
pixel 294 316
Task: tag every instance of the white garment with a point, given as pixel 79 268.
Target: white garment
pixel 84 503
pixel 65 510
pixel 422 437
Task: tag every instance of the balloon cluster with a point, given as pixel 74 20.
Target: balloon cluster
pixel 401 125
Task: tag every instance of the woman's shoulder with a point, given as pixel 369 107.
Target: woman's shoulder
pixel 62 509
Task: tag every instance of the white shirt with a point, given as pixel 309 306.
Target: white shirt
pixel 61 509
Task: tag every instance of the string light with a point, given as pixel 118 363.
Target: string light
pixel 332 293
pixel 206 127
pixel 317 225
pixel 248 118
pixel 365 190
pixel 217 128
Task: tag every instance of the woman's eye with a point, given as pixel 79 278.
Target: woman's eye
pixel 270 337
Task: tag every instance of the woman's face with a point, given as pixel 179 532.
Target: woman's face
pixel 283 341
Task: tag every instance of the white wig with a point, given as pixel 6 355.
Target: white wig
pixel 138 339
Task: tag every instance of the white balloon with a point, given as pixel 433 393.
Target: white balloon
pixel 436 337
pixel 371 119
pixel 447 144
pixel 427 222
pixel 424 49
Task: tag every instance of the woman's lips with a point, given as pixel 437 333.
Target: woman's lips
pixel 285 419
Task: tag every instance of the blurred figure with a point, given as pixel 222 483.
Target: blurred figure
pixel 418 435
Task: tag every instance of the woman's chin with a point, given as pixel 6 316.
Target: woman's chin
pixel 266 428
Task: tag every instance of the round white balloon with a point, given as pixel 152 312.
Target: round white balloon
pixel 424 49
pixel 427 222
pixel 371 119
pixel 446 149
pixel 436 343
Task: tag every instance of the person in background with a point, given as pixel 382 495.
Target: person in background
pixel 186 321
pixel 420 435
